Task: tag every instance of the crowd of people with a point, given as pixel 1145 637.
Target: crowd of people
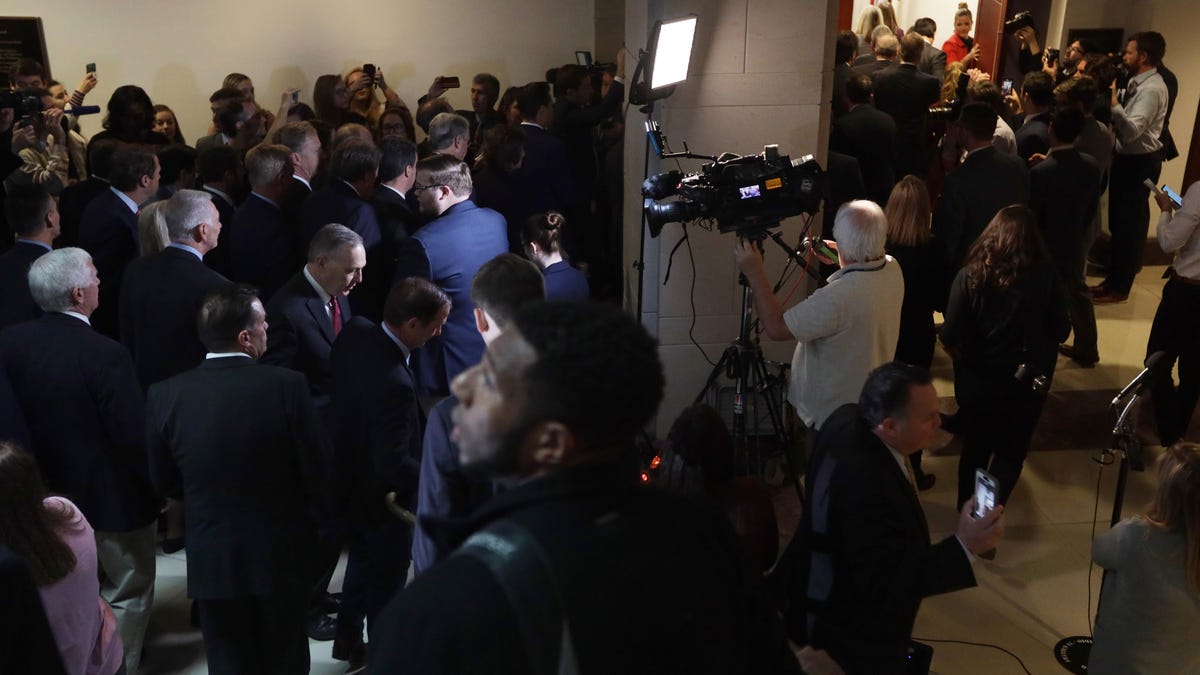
pixel 315 333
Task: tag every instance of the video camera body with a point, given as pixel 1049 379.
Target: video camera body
pixel 24 105
pixel 743 194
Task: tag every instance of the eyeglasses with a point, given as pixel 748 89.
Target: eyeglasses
pixel 418 188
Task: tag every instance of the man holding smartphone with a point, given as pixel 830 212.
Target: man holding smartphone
pixel 861 562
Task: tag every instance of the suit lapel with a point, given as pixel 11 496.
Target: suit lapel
pixel 317 309
pixel 906 488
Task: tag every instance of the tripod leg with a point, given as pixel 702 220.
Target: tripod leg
pixel 775 409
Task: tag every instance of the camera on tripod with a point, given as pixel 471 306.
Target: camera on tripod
pixel 743 194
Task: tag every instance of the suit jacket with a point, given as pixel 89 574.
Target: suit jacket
pixel 219 258
pixel 208 142
pixel 378 419
pixel 1033 136
pixel 240 443
pixel 16 302
pixel 872 68
pixel 109 231
pixel 542 183
pixel 841 72
pixel 449 251
pixel 845 185
pixel 987 181
pixel 933 62
pixel 80 397
pixel 397 222
pixel 340 203
pixel 291 204
pixel 161 296
pixel 262 246
pixel 300 334
pixel 905 93
pixel 864 526
pixel 71 204
pixel 866 134
pixel 1064 192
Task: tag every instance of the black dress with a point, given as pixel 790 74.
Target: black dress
pixel 922 269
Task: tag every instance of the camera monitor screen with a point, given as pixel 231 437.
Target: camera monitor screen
pixel 672 52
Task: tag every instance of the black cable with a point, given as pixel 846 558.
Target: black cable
pixel 692 299
pixel 1095 513
pixel 979 644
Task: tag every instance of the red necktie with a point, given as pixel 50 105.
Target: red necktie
pixel 336 315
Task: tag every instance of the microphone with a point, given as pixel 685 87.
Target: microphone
pixel 83 110
pixel 1153 365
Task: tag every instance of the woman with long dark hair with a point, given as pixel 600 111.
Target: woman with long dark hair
pixel 1004 319
pixel 1149 610
pixel 129 117
pixel 58 545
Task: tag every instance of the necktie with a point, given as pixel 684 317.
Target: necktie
pixel 1130 90
pixel 335 313
pixel 912 480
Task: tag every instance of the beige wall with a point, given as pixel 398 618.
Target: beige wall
pixel 756 78
pixel 180 51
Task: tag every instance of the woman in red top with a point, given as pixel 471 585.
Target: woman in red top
pixel 961 47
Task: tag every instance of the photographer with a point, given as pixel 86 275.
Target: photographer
pixel 846 328
pixel 1004 319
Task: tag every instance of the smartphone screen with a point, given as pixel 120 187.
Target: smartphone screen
pixel 369 69
pixel 985 493
pixel 295 97
pixel 1173 195
pixel 1006 87
pixel 583 58
pixel 450 82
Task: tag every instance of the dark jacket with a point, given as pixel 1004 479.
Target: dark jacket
pixel 239 442
pixel 16 302
pixel 1033 136
pixel 263 249
pixel 867 134
pixel 606 539
pixel 71 204
pixel 218 259
pixel 906 93
pixel 339 203
pixel 160 299
pixel 86 415
pixel 300 334
pixel 862 520
pixel 1064 192
pixel 109 232
pixel 564 282
pixel 924 292
pixel 987 181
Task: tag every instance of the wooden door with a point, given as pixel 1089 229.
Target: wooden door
pixel 989 33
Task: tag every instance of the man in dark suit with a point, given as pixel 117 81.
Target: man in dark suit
pixel 543 181
pixel 75 198
pixel 886 50
pixel 867 134
pixel 302 139
pixel 987 181
pixel 108 229
pixel 263 240
pixel 345 200
pixel 933 60
pixel 80 397
pixel 1064 192
pixel 502 287
pixel 906 93
pixel 861 562
pixel 844 50
pixel 308 312
pixel 241 444
pixel 397 219
pixel 379 425
pixel 32 215
pixel 220 173
pixel 449 250
pixel 1037 102
pixel 161 293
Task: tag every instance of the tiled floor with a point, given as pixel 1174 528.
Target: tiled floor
pixel 1032 595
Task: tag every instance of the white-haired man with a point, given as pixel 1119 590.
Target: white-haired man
pixel 845 329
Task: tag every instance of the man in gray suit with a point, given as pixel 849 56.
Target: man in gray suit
pixel 933 60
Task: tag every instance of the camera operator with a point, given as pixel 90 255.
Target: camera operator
pixel 846 328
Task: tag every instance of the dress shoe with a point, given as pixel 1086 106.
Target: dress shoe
pixel 329 603
pixel 1069 352
pixel 1109 297
pixel 354 651
pixel 1098 288
pixel 321 627
pixel 925 481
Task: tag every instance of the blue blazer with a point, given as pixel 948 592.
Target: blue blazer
pixel 262 245
pixel 565 283
pixel 109 231
pixel 16 303
pixel 449 251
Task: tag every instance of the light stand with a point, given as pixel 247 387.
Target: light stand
pixel 1073 652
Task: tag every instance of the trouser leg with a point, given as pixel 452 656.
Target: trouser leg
pixel 1129 216
pixel 282 631
pixel 229 628
pixel 354 586
pixel 389 544
pixel 127 568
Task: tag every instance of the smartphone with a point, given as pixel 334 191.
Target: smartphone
pixel 1006 87
pixel 450 82
pixel 985 493
pixel 369 70
pixel 583 58
pixel 1173 195
pixel 295 97
pixel 1051 56
pixel 90 68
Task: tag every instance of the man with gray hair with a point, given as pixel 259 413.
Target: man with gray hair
pixel 450 134
pixel 161 293
pixel 265 251
pixel 79 394
pixel 845 329
pixel 887 52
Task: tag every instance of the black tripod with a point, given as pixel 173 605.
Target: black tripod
pixel 743 362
